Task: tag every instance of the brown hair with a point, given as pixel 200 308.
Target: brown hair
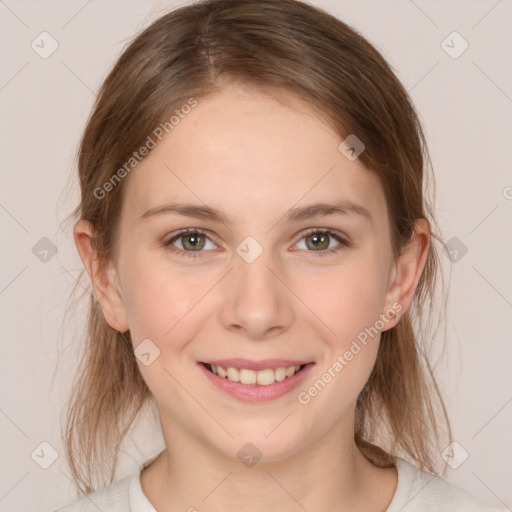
pixel 286 45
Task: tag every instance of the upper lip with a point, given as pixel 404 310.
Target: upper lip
pixel 256 365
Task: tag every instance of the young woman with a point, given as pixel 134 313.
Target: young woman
pixel 256 231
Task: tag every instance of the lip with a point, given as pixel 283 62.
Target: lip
pixel 255 393
pixel 256 365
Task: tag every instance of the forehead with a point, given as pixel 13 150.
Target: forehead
pixel 242 150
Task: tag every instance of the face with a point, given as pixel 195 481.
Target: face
pixel 267 282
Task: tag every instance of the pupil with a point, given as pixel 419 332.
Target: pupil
pixel 193 242
pixel 319 241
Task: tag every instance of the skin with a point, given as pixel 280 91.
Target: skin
pixel 255 155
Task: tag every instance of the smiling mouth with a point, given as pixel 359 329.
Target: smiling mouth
pixel 264 377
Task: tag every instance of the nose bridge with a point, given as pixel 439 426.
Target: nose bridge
pixel 256 300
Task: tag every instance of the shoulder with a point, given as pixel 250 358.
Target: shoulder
pixel 418 491
pixel 114 498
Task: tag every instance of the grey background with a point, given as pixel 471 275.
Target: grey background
pixel 465 104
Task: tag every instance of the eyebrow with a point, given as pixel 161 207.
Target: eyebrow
pixel 292 215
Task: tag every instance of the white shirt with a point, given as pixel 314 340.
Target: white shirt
pixel 416 491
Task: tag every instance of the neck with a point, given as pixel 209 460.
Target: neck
pixel 190 475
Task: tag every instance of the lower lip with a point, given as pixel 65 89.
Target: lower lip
pixel 254 392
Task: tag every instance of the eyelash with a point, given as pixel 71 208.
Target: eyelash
pixel 343 243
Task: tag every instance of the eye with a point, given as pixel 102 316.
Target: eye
pixel 316 240
pixel 191 240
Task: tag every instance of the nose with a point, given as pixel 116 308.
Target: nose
pixel 257 302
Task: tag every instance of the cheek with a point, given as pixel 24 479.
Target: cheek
pixel 349 307
pixel 347 299
pixel 161 300
pixel 165 307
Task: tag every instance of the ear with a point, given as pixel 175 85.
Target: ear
pixel 103 278
pixel 407 271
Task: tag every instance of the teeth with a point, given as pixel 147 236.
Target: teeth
pixel 233 374
pixel 290 371
pixel 266 377
pixel 248 376
pixel 261 377
pixel 280 374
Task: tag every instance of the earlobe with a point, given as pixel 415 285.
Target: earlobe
pixel 409 267
pixel 102 276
